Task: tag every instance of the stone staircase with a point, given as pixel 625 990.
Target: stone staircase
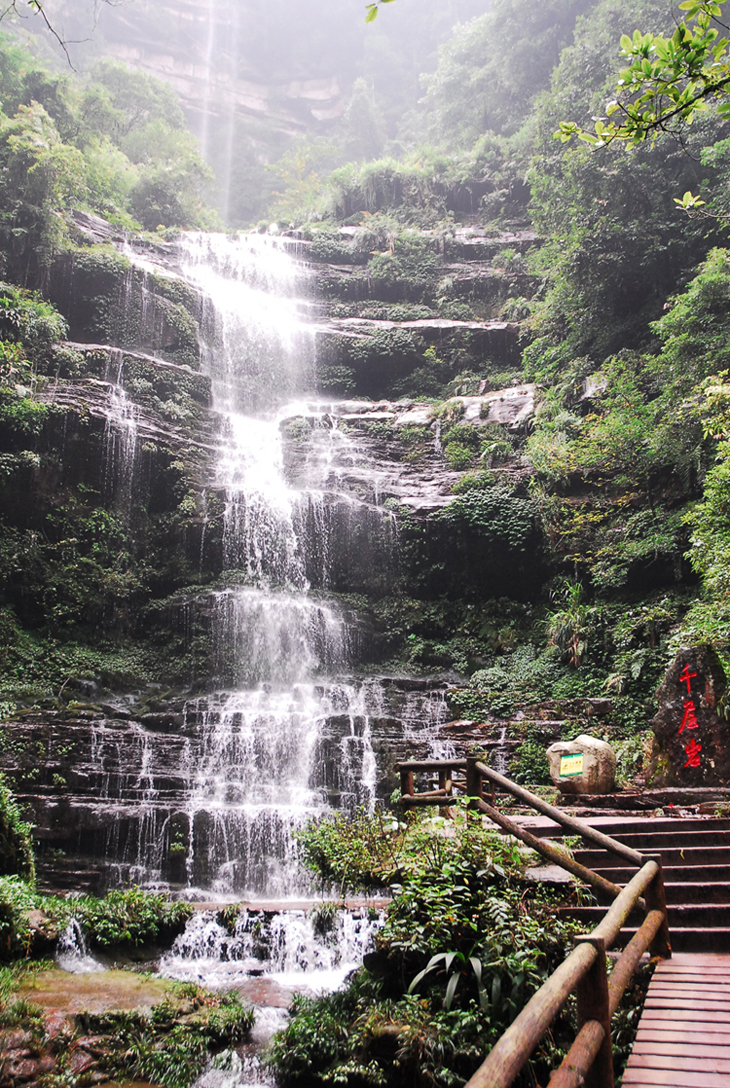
pixel 696 864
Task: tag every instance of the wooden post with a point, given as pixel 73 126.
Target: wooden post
pixel 592 995
pixel 656 900
pixel 406 784
pixel 443 777
pixel 473 778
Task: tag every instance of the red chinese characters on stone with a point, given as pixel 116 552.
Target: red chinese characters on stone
pixel 689 721
pixel 685 677
pixel 693 750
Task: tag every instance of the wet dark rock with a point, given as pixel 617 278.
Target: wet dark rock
pixel 115 712
pixel 95 229
pixel 163 721
pixel 80 1062
pixel 692 736
pixel 599 707
pixel 43 933
pixel 18 1071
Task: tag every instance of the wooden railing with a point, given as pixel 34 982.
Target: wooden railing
pixel 589 1061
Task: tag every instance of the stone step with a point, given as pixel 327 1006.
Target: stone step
pixel 623 829
pixel 692 891
pixel 712 874
pixel 649 842
pixel 675 856
pixel 679 915
pixel 700 939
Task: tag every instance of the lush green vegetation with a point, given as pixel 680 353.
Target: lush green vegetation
pixel 465 943
pixel 115 142
pixel 119 921
pixel 16 843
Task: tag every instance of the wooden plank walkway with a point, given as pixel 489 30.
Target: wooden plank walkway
pixel 683 1039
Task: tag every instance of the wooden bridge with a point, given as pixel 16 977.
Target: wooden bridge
pixel 683 1039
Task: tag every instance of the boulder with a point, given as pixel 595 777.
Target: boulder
pixel 583 765
pixel 691 734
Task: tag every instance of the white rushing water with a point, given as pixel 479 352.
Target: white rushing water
pixel 121 437
pixel 296 949
pixel 72 954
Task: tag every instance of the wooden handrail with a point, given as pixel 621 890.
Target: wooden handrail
pixel 578 827
pixel 584 971
pixel 512 1050
pixel 605 889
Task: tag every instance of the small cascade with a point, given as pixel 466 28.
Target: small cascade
pixel 72 954
pixel 121 436
pixel 230 1070
pixel 268 955
pixel 500 753
pixel 437 444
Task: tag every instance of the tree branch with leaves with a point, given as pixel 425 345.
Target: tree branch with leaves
pixel 667 83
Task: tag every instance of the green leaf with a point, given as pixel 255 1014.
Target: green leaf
pixel 451 990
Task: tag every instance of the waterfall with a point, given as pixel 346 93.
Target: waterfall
pixel 291 947
pixel 289 735
pixel 204 796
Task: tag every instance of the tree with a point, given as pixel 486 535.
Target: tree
pixel 40 177
pixel 494 65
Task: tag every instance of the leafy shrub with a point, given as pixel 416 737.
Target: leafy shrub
pixel 529 764
pixel 16 843
pixel 462 930
pixel 17 899
pixel 497 514
pixel 459 457
pixel 28 319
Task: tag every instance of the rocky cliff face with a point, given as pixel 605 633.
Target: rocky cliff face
pixel 227 58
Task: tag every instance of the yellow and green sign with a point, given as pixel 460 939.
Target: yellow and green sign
pixel 571 765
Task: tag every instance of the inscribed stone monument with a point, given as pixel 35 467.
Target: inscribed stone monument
pixel 692 739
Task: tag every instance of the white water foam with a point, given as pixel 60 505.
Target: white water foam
pixel 301 951
pixel 72 954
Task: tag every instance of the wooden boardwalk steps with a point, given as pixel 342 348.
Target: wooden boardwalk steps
pixel 683 1039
